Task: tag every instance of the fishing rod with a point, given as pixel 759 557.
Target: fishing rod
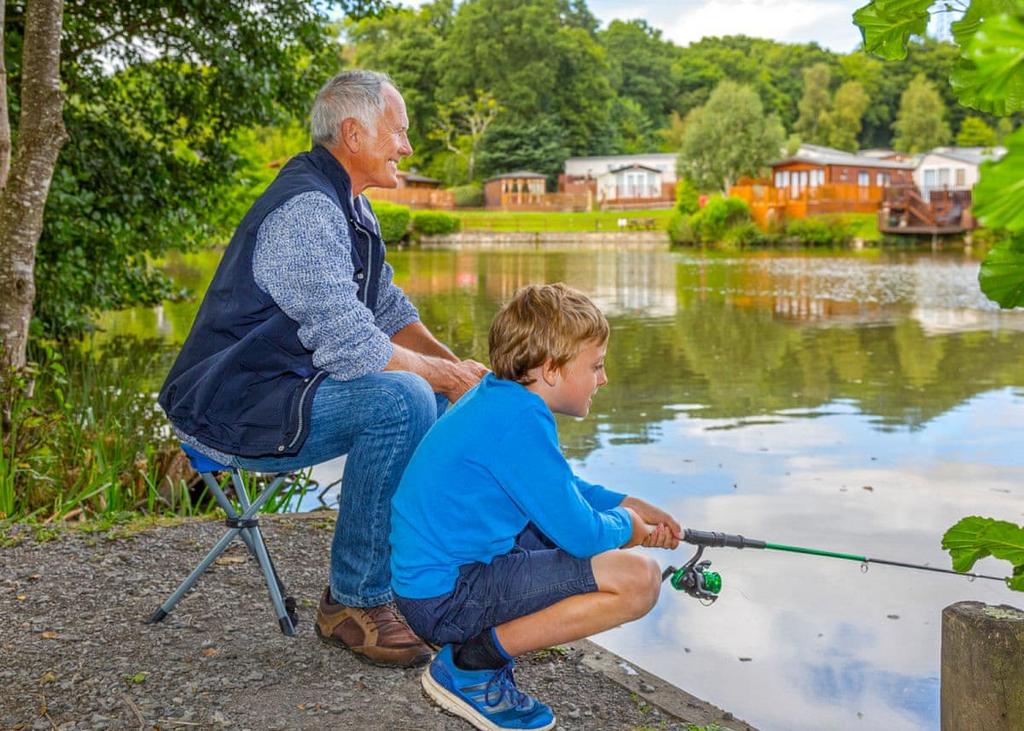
pixel 695 579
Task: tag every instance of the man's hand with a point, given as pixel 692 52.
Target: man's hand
pixel 463 376
pixel 660 537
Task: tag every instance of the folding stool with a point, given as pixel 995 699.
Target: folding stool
pixel 244 524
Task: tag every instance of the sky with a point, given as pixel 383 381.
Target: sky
pixel 829 23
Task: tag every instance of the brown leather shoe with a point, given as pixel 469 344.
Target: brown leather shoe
pixel 377 635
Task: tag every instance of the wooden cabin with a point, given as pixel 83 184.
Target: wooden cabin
pixel 818 180
pixel 514 189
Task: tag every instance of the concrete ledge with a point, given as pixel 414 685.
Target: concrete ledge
pixel 655 691
pixel 650 240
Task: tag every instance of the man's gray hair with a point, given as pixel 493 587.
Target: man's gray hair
pixel 357 93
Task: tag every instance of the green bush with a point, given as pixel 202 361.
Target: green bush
pixel 434 223
pixel 819 231
pixel 687 196
pixel 743 235
pixel 719 215
pixel 394 221
pixel 468 196
pixel 679 230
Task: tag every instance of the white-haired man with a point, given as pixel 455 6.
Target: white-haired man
pixel 304 350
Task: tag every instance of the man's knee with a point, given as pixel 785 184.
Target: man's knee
pixel 412 396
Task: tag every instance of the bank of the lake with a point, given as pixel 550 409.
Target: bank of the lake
pixel 77 654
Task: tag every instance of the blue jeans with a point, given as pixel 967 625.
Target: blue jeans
pixel 377 420
pixel 535 574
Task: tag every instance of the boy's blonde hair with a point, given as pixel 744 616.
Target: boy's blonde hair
pixel 541 322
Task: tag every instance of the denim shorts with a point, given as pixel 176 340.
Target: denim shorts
pixel 533 575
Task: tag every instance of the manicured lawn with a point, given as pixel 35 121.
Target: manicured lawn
pixel 480 220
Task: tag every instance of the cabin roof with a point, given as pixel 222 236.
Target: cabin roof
pixel 820 155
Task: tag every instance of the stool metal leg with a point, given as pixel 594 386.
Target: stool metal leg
pixel 253 539
pixel 216 551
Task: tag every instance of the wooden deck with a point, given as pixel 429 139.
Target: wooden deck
pixel 905 211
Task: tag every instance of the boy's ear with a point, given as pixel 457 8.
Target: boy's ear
pixel 550 373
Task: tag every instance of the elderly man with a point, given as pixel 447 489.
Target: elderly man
pixel 304 350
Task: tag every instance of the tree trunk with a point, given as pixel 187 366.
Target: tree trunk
pixel 5 120
pixel 41 134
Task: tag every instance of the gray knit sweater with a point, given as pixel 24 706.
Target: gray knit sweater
pixel 302 260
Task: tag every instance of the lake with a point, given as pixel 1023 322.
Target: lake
pixel 859 402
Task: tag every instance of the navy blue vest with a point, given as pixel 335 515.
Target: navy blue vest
pixel 243 383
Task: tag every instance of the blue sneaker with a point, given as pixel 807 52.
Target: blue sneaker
pixel 488 699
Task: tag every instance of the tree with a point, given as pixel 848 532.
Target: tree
pixel 812 126
pixel 640 66
pixel 921 121
pixel 844 121
pixel 155 93
pixel 540 147
pixel 27 168
pixel 974 132
pixel 728 137
pixel 540 58
pixel 462 124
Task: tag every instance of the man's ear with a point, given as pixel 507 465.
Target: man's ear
pixel 351 134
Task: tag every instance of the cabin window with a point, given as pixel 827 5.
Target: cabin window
pixel 943 177
pixel 881 179
pixel 961 178
pixel 863 179
pixel 929 178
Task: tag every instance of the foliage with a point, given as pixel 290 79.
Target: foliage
pixel 742 235
pixel 729 137
pixel 687 196
pixel 87 436
pixel 539 146
pixel 990 75
pixel 435 223
pixel 975 538
pixel 462 123
pixel 468 196
pixel 394 221
pixel 680 232
pixel 819 231
pixel 888 25
pixel 974 132
pixel 540 58
pixel 155 92
pixel 1002 273
pixel 999 194
pixel 640 65
pixel 717 216
pixel 920 124
pixel 844 121
pixel 812 126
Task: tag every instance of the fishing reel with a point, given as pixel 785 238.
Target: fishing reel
pixel 695 579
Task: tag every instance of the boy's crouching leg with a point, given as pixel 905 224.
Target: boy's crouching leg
pixel 635 579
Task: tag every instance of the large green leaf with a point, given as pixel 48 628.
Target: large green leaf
pixel 990 73
pixel 965 28
pixel 974 538
pixel 999 194
pixel 886 25
pixel 1002 273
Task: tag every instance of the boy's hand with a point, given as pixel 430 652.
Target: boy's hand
pixel 641 530
pixel 655 516
pixel 660 537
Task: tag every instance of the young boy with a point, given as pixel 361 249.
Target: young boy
pixel 497 548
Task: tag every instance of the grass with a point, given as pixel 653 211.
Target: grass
pixel 83 439
pixel 538 221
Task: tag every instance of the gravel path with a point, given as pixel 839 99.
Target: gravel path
pixel 77 655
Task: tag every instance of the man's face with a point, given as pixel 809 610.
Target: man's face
pixel 579 380
pixel 386 143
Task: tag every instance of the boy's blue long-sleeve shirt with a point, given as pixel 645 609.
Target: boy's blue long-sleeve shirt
pixel 488 467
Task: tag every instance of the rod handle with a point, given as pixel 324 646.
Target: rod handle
pixel 714 539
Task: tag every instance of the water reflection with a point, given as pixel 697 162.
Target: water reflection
pixel 861 403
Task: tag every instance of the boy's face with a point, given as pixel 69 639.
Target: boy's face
pixel 579 380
